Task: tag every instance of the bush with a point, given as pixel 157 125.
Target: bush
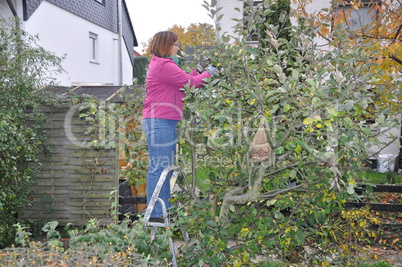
pixel 140 69
pixel 24 69
pixel 124 244
pixel 376 264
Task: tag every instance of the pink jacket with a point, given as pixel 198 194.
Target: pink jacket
pixel 163 99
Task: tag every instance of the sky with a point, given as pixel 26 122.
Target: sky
pixel 150 17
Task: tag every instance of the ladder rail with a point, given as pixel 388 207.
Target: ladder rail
pixel 158 188
pixel 154 199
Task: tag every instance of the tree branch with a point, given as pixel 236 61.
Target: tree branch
pixel 377 152
pixel 276 192
pixel 252 194
pixel 398 60
pixel 398 32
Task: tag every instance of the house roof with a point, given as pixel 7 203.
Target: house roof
pixel 110 93
pixel 136 54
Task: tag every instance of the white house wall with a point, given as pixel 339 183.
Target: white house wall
pixel 72 40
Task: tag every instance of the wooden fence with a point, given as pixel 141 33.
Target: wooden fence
pixel 386 207
pixel 75 182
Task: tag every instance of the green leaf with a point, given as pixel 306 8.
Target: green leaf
pixel 349 105
pixel 300 236
pixel 286 108
pixel 310 81
pixel 298 149
pixel 269 62
pixel 280 150
pixel 278 69
pixel 295 74
pixel 232 208
pixel 358 110
pixel 212 223
pixel 351 189
pixel 381 118
pixel 320 217
pixel 209 112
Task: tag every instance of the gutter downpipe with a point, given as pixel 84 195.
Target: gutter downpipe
pixel 12 8
pixel 119 48
pixel 10 4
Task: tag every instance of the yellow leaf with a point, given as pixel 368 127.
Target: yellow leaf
pixel 379 60
pixel 271 202
pixel 307 121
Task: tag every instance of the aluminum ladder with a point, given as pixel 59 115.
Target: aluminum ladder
pixel 174 170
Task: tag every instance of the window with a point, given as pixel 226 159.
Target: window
pixel 93 47
pixel 101 1
pixel 356 18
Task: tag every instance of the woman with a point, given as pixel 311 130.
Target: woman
pixel 163 109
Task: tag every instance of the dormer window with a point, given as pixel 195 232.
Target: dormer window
pixel 101 1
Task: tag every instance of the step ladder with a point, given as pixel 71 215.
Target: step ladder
pixel 174 171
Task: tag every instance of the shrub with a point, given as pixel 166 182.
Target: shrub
pixel 24 68
pixel 376 264
pixel 124 244
pixel 140 69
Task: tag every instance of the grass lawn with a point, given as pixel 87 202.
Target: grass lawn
pixel 381 178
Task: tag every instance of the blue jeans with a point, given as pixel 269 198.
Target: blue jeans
pixel 161 138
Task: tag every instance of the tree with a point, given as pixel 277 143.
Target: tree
pixel 194 35
pixel 313 113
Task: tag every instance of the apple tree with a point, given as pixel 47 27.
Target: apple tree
pixel 310 102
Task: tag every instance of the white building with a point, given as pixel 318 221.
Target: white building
pixel 98 48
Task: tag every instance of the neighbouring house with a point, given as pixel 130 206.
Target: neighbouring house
pixel 232 11
pixel 136 54
pixel 96 36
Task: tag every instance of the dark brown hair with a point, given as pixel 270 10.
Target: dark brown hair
pixel 161 44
